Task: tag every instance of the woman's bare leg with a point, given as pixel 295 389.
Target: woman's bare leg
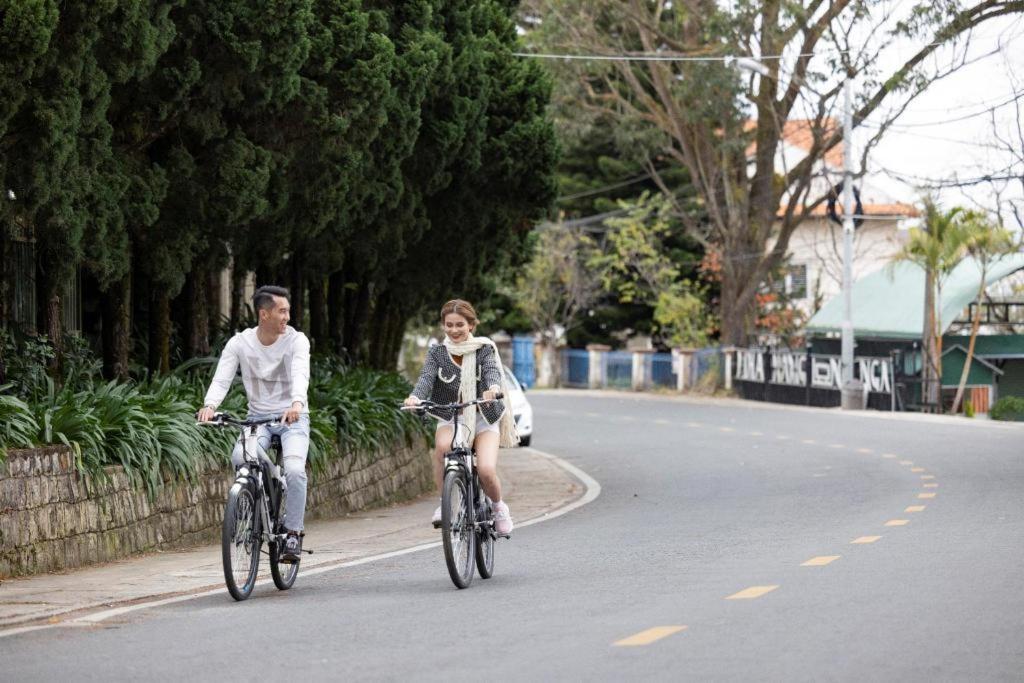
pixel 486 445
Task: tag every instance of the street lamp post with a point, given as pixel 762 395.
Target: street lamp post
pixel 852 390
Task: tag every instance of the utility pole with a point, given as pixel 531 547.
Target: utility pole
pixel 852 395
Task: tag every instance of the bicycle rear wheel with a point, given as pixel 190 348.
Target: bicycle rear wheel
pixel 284 573
pixel 485 544
pixel 457 532
pixel 240 542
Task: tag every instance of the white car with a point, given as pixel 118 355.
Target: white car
pixel 521 409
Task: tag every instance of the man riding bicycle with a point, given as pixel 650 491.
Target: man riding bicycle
pixel 274 361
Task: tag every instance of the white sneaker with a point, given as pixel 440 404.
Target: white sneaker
pixel 502 518
pixel 436 520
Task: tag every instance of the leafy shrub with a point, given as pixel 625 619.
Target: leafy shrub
pixel 18 427
pixel 148 427
pixel 1008 408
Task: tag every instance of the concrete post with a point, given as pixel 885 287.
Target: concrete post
pixel 641 381
pixel 684 378
pixel 730 354
pixel 595 365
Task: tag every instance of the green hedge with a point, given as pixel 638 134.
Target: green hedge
pixel 1009 408
pixel 149 427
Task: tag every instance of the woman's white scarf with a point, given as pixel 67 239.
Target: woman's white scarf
pixel 467 387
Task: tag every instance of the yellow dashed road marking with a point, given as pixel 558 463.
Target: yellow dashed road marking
pixel 917 469
pixel 915 508
pixel 836 445
pixel 756 434
pixel 897 522
pixel 906 462
pixel 592 414
pixel 925 496
pixel 890 456
pixel 808 441
pixel 694 424
pixel 865 539
pixel 931 486
pixel 661 421
pixel 927 476
pixel 782 437
pixel 751 593
pixel 649 636
pixel 820 561
pixel 726 429
pixel 864 450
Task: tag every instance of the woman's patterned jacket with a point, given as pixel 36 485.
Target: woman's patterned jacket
pixel 440 377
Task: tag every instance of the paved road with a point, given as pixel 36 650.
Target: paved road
pixel 690 565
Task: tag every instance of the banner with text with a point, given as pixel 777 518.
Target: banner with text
pixel 789 368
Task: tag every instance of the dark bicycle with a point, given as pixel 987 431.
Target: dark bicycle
pixel 467 524
pixel 255 511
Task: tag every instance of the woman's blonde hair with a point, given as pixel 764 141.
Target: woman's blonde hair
pixel 463 308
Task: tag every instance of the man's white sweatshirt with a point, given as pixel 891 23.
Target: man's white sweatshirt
pixel 274 376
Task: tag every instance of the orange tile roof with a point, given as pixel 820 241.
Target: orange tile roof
pixel 895 209
pixel 800 133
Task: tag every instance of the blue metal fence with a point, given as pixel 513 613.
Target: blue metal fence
pixel 661 371
pixel 705 368
pixel 575 368
pixel 619 370
pixel 522 361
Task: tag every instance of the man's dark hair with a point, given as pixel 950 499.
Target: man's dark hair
pixel 264 296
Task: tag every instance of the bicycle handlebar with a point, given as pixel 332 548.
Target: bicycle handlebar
pixel 427 405
pixel 226 420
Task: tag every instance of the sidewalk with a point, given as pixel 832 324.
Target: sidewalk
pixel 535 485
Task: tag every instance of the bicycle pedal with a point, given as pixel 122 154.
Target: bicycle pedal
pixel 436 525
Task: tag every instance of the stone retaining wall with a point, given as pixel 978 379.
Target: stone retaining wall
pixel 52 517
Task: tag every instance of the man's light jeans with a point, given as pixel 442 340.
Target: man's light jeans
pixel 294 447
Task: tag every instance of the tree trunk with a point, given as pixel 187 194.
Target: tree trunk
pixel 336 309
pixel 117 317
pixel 975 325
pixel 297 288
pixel 160 333
pixel 318 314
pixel 198 321
pixel 50 316
pixel 737 307
pixel 377 336
pixel 214 301
pixel 398 323
pixel 237 293
pixel 930 393
pixel 355 328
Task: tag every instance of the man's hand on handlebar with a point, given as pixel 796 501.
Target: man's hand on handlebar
pixel 292 414
pixel 205 414
pixel 412 401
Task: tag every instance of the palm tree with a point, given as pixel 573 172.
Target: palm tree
pixel 937 249
pixel 985 242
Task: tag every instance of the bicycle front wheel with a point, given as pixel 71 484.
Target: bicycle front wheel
pixel 240 542
pixel 485 543
pixel 457 532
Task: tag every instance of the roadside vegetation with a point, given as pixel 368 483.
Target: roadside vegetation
pixel 147 425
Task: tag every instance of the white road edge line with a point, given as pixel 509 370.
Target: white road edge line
pixel 592 492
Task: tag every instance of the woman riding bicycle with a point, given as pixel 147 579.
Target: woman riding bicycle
pixel 443 381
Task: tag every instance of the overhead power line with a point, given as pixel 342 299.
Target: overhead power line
pixel 682 57
pixel 606 188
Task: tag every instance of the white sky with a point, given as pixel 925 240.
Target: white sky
pixel 922 144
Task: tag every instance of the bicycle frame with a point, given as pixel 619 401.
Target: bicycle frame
pixel 257 473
